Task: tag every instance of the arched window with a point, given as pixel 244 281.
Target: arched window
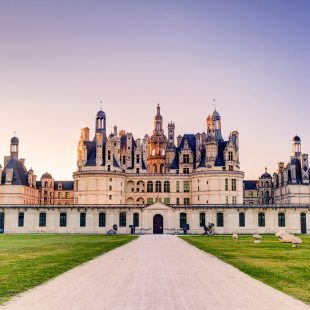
pixel 261 219
pixel 281 219
pixel 153 152
pixel 42 219
pixel 241 219
pixel 82 219
pixel 150 187
pixel 167 187
pixel 20 219
pixel 162 152
pixel 202 219
pixel 158 187
pixel 154 168
pixel 220 219
pixel 183 219
pixel 136 219
pixel 162 168
pixel 46 184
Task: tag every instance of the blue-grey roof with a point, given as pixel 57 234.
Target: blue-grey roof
pixel 250 184
pixel 20 174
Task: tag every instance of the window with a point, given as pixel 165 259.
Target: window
pixel 186 186
pixel 137 170
pixel 281 219
pixel 42 219
pixel 241 219
pixel 67 195
pixel 122 219
pixel 124 160
pixel 220 219
pixel 158 187
pixel 110 187
pixel 63 220
pixel 183 219
pixel 234 200
pixel 101 219
pixel 202 219
pixel 167 187
pixel 226 184
pixel 21 219
pixel 110 197
pixel 82 219
pixel 186 170
pixel 138 159
pixel 230 168
pixel 109 168
pixel 186 159
pixel 261 219
pixel 186 201
pixel 136 219
pixel 230 156
pixel 109 155
pixel 167 201
pixel 149 201
pixel 233 184
pixel 150 187
pixel 178 201
pixel 178 186
pixel 59 195
pixel 226 200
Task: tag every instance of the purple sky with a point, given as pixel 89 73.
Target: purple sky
pixel 58 59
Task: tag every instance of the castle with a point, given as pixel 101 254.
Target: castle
pixel 159 184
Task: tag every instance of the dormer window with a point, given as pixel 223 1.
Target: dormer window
pixel 59 186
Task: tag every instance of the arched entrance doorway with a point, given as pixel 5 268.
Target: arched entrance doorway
pixel 158 224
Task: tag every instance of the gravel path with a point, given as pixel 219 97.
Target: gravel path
pixel 154 272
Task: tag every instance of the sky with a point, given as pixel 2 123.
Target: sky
pixel 58 59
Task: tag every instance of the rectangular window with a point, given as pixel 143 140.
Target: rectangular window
pixel 149 201
pixel 220 219
pixel 234 200
pixel 186 186
pixel 226 200
pixel 230 168
pixel 136 219
pixel 186 159
pixel 59 195
pixel 110 197
pixel 178 201
pixel 21 217
pixel 186 170
pixel 183 219
pixel 261 219
pixel 122 219
pixel 178 186
pixel 42 219
pixel 63 220
pixel 186 201
pixel 281 219
pixel 202 219
pixel 67 195
pixel 101 219
pixel 82 219
pixel 233 184
pixel 226 184
pixel 241 219
pixel 167 201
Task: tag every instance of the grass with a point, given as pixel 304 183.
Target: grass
pixel 29 260
pixel 276 264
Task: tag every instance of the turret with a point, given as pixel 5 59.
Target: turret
pixel 213 125
pixel 171 129
pixel 101 123
pixel 296 146
pixel 14 148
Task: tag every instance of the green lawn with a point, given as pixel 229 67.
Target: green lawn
pixel 274 263
pixel 29 260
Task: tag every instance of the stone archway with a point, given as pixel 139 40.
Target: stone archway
pixel 158 224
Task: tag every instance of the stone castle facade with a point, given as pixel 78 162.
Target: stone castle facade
pixel 199 168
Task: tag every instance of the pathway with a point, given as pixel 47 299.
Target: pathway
pixel 154 272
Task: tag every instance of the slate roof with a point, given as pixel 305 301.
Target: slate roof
pixel 250 184
pixel 20 174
